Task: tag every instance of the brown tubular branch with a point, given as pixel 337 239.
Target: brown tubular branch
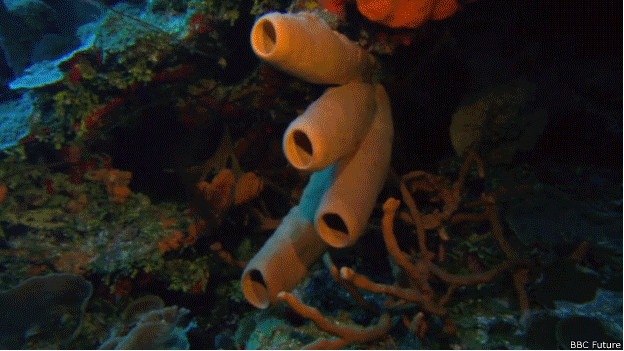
pixel 471 158
pixel 419 292
pixel 468 217
pixel 348 334
pixel 497 228
pixel 226 256
pixel 411 295
pixel 400 258
pixel 416 217
pixel 477 278
pixel 449 293
pixel 520 277
pixel 348 285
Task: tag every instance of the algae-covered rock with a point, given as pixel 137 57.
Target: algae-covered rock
pixel 51 306
pixel 564 280
pixel 549 220
pixel 499 123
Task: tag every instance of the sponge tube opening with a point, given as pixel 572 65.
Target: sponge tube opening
pixel 333 230
pixel 300 151
pixel 264 37
pixel 255 289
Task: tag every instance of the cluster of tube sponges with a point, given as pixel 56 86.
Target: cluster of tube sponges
pixel 344 138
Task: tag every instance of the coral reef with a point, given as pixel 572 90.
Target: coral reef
pixel 152 156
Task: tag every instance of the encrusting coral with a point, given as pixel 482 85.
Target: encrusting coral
pixel 499 123
pixel 399 13
pixel 405 13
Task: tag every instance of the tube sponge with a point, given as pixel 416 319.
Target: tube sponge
pixel 357 180
pixel 306 47
pixel 345 137
pixel 331 128
pixel 284 259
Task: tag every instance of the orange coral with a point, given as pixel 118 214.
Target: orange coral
pixel 77 204
pixel 336 7
pixel 199 287
pixel 4 191
pixel 247 188
pixel 119 193
pixel 225 190
pixel 226 256
pixel 95 119
pixel 167 223
pixel 199 24
pixel 72 262
pixel 407 13
pixel 196 228
pixel 116 182
pixel 218 192
pixel 171 242
pixel 177 239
